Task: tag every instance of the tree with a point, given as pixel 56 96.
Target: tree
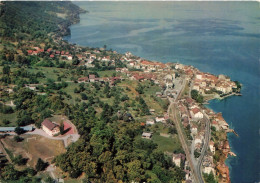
pixel 172 130
pixel 49 180
pixel 19 160
pixel 209 178
pixel 83 96
pixel 196 154
pixel 9 173
pixel 18 138
pixel 139 89
pixel 6 70
pixel 62 128
pixel 41 165
pixel 6 122
pixel 18 130
pixel 196 96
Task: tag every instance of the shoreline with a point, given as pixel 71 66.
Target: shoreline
pixel 229 152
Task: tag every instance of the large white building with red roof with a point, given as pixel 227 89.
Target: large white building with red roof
pixel 50 128
pixel 196 114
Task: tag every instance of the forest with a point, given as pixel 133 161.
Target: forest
pixel 110 148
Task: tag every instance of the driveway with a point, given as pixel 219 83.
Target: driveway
pixel 72 137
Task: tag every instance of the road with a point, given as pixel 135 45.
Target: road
pixel 205 146
pixel 172 114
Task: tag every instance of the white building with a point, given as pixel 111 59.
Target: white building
pixel 150 122
pixel 212 147
pixel 208 170
pixel 196 114
pixel 50 128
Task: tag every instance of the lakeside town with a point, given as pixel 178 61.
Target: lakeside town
pixel 170 97
pixel 177 82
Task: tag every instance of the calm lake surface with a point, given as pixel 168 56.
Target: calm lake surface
pixel 216 37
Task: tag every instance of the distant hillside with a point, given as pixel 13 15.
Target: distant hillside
pixel 20 20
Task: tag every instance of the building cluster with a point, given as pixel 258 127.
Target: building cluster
pixel 147 66
pixel 206 83
pixel 52 53
pixel 157 119
pixel 93 79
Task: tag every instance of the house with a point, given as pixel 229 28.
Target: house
pixel 150 122
pixel 147 135
pixel 158 94
pixel 29 52
pixel 152 111
pixel 194 129
pixel 208 170
pixel 185 121
pixel 198 140
pixel 212 147
pixel 83 80
pixel 177 158
pixel 69 57
pixel 215 124
pixel 221 121
pixel 196 114
pixel 92 78
pixel 50 128
pixel 166 116
pixel 160 120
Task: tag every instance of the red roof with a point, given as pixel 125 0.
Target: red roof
pixel 29 51
pixel 189 100
pixel 195 110
pixel 51 56
pixel 83 79
pixel 48 124
pixel 214 122
pixel 57 52
pixel 92 76
pixel 138 77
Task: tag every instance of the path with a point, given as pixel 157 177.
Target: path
pixel 4 151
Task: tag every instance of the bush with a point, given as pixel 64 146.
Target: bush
pixel 41 165
pixel 18 138
pixel 6 122
pixel 19 130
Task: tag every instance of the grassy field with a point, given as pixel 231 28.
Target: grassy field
pixel 10 117
pixel 107 73
pixel 167 144
pixel 34 147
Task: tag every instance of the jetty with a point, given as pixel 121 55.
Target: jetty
pixel 232 154
pixel 233 131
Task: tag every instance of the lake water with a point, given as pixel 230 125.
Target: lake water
pixel 216 37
